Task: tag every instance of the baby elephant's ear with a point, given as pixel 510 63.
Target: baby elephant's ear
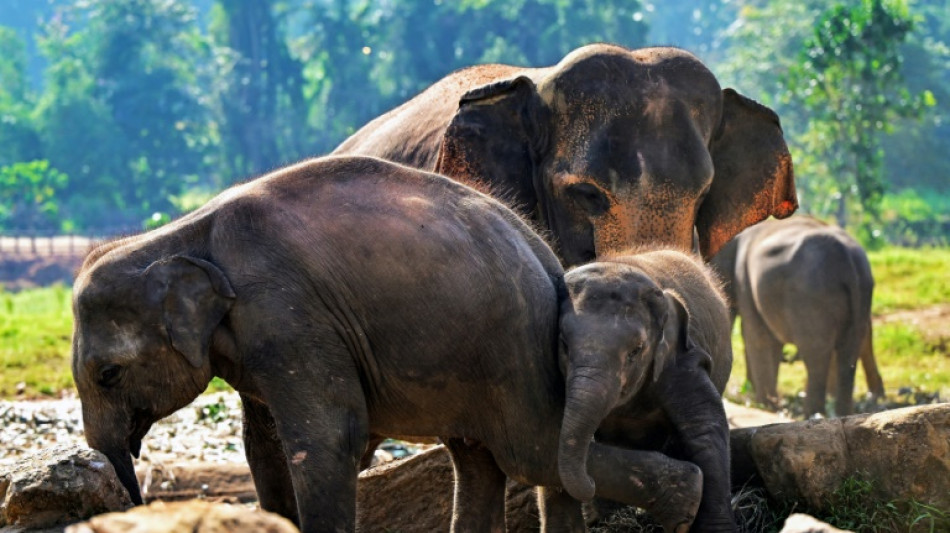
pixel 675 338
pixel 194 296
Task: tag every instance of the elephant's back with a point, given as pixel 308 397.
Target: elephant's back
pixel 412 132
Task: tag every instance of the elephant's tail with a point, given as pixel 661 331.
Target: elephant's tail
pixel 871 373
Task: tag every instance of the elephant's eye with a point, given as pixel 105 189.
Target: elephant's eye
pixel 589 197
pixel 109 375
pixel 632 354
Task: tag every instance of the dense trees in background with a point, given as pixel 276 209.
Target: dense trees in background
pixel 112 110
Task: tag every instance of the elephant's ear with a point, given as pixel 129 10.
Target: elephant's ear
pixel 194 296
pixel 494 140
pixel 753 178
pixel 676 341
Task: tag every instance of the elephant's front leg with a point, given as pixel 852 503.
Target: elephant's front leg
pixel 669 489
pixel 265 456
pixel 694 406
pixel 322 421
pixel 479 503
pixel 560 513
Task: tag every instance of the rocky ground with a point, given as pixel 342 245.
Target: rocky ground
pixel 208 430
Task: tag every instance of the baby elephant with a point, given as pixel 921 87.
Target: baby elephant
pixel 345 297
pixel 646 351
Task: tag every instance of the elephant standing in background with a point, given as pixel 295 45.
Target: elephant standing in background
pixel 608 149
pixel 348 297
pixel 800 281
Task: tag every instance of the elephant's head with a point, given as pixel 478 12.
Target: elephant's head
pixel 618 332
pixel 141 346
pixel 613 148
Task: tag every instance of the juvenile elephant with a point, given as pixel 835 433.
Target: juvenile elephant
pixel 800 281
pixel 343 297
pixel 608 149
pixel 645 345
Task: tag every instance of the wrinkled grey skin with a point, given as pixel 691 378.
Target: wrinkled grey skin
pixel 344 297
pixel 800 281
pixel 646 352
pixel 608 149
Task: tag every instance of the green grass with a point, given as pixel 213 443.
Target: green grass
pixel 35 344
pixel 35 331
pixel 910 278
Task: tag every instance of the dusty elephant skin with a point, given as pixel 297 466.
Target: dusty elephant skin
pixel 646 348
pixel 343 298
pixel 607 149
pixel 803 282
pixel 58 486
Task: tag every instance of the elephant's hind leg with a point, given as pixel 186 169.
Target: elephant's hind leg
pixel 266 459
pixel 818 355
pixel 479 503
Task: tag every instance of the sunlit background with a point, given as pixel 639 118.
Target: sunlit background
pixel 117 115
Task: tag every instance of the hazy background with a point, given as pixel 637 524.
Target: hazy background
pixel 116 115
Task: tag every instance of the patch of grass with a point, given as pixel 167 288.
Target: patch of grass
pixel 35 336
pixel 909 278
pixel 854 507
pixel 35 343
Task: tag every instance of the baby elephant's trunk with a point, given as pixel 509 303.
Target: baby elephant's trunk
pixel 590 396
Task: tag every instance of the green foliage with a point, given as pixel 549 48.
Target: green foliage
pixel 121 112
pixel 916 218
pixel 848 81
pixel 29 195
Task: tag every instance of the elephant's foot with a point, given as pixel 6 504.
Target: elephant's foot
pixel 677 503
pixel 669 489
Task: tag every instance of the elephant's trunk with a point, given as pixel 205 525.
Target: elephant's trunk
pixel 122 462
pixel 591 394
pixel 111 437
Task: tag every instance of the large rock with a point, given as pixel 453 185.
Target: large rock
pixel 415 494
pixel 228 482
pixel 60 485
pixel 196 516
pixel 904 453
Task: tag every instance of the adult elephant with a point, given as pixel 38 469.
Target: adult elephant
pixel 803 282
pixel 608 149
